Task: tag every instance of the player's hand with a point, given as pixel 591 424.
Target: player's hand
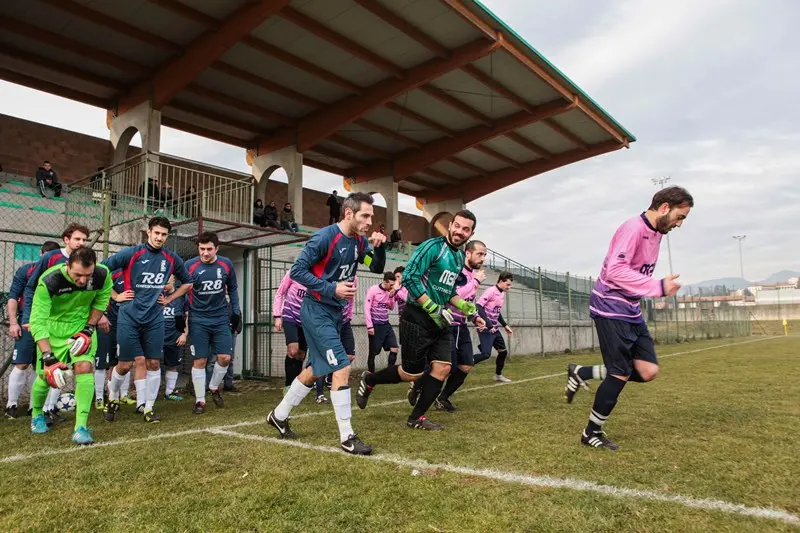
pixel 15 331
pixel 104 324
pixel 377 239
pixel 480 323
pixel 80 343
pixel 125 296
pixel 480 275
pixel 351 357
pixel 509 330
pixel 468 308
pixel 493 329
pixel 163 300
pixel 55 372
pixel 345 290
pixel 670 285
pixel 26 327
pixel 370 331
pixel 278 324
pixel 236 324
pixel 181 340
pixel 440 315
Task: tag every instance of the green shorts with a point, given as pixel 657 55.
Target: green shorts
pixel 61 352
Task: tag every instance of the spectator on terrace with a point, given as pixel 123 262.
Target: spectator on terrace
pixel 167 198
pixel 287 218
pixel 150 194
pixel 46 178
pixel 189 203
pixel 396 240
pixel 335 208
pixel 259 219
pixel 271 216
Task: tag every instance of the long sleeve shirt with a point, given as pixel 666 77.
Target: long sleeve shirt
pixel 212 285
pixel 467 289
pixel 17 290
pixel 377 305
pixel 432 270
pixel 288 300
pixel 48 260
pixel 490 306
pixel 400 296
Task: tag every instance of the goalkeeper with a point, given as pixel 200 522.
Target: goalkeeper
pixel 68 303
pixel 425 336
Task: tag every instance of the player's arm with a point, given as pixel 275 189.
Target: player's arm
pixel 40 313
pixel 30 288
pixel 101 297
pixel 621 274
pixel 14 293
pixel 180 291
pixel 119 260
pixel 280 296
pixel 314 251
pixel 368 307
pixel 374 258
pixel 233 292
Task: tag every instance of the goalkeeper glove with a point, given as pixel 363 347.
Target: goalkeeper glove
pixel 55 372
pixel 468 308
pixel 80 343
pixel 440 315
pixel 236 324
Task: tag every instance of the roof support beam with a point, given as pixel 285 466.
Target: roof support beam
pixel 264 83
pixel 568 135
pixel 455 103
pixel 61 68
pixel 52 88
pixel 326 121
pixel 404 26
pixel 176 74
pixel 530 145
pixel 230 101
pixel 414 160
pixel 202 132
pixel 416 117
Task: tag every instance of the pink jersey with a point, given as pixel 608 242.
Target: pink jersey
pixel 347 310
pixel 492 301
pixel 627 272
pixel 288 300
pixel 377 305
pixel 467 289
pixel 400 298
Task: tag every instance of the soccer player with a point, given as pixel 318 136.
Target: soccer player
pixel 430 278
pixel 326 267
pixel 74 236
pixel 210 321
pixel 379 301
pixel 175 336
pixel 105 358
pixel 67 305
pixel 24 348
pixel 140 324
pixel 490 307
pixel 286 314
pixel 400 292
pixel 625 278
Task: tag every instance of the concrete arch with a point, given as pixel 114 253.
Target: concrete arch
pixel 439 223
pixel 262 181
pixel 123 143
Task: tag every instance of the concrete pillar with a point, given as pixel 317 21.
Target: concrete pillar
pixel 434 213
pixel 291 161
pixel 387 188
pixel 142 118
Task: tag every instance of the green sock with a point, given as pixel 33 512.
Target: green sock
pixel 84 392
pixel 40 391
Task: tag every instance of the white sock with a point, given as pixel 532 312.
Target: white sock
pixel 153 384
pixel 141 391
pixel 599 372
pixel 172 380
pixel 16 382
pixel 125 386
pixel 199 382
pixel 99 384
pixel 343 409
pixel 293 397
pixel 52 398
pixel 115 384
pixel 216 376
pixel 29 384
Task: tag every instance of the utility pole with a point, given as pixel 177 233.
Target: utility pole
pixel 661 181
pixel 740 238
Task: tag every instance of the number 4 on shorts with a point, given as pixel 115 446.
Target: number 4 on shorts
pixel 331 357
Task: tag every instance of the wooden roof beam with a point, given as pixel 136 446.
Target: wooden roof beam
pixel 404 26
pixel 455 103
pixel 528 144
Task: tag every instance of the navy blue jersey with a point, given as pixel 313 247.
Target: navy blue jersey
pixel 49 259
pixel 173 310
pixel 17 290
pixel 146 270
pixel 113 307
pixel 212 282
pixel 330 257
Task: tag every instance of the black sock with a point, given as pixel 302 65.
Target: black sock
pixel 604 401
pixel 478 357
pixel 392 358
pixel 431 387
pixel 454 381
pixel 585 373
pixel 292 369
pixel 501 362
pixel 371 362
pixel 390 374
pixel 636 376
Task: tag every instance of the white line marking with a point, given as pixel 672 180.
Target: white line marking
pixel 538 481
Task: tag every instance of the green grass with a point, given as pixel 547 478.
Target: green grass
pixel 716 424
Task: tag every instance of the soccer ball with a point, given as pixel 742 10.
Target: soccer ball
pixel 66 402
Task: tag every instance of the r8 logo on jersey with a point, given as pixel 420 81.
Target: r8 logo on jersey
pixel 211 286
pixel 151 278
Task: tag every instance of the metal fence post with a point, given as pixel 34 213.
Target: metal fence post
pixel 269 317
pixel 541 313
pixel 245 308
pixel 569 312
pixel 106 218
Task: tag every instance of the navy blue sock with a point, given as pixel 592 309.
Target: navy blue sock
pixel 604 401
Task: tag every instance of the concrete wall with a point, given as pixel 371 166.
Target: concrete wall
pixel 775 312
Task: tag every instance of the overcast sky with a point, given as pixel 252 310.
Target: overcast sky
pixel 709 89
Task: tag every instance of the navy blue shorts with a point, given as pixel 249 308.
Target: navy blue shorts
pixel 294 334
pixel 140 340
pixel 208 339
pixel 384 339
pixel 490 340
pixel 463 353
pixel 173 355
pixel 321 325
pixel 621 342
pixel 106 355
pixel 24 350
pixel 348 339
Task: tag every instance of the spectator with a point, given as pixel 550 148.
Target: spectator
pixel 335 208
pixel 383 230
pixel 189 203
pixel 287 218
pixel 150 194
pixel 271 216
pixel 396 240
pixel 46 177
pixel 259 218
pixel 167 198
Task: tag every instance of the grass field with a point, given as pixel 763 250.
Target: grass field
pixel 708 446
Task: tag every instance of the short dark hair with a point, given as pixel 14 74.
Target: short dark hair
pixel 83 256
pixel 388 276
pixel 505 276
pixel 72 228
pixel 49 246
pixel 208 236
pixel 46 162
pixel 471 245
pixel 400 269
pixel 674 196
pixel 159 221
pixel 355 199
pixel 469 215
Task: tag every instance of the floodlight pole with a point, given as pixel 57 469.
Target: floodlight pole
pixel 740 238
pixel 661 181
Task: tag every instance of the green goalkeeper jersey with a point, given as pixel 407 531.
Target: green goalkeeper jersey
pixel 61 308
pixel 433 269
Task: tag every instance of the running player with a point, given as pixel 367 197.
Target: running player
pixel 430 278
pixel 286 314
pixel 67 305
pixel 326 267
pixel 380 300
pixel 140 325
pixel 490 307
pixel 24 348
pixel 210 321
pixel 625 278
pixel 175 336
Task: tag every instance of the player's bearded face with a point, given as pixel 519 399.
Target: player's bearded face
pixel 362 220
pixel 476 257
pixel 157 236
pixel 460 231
pixel 672 219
